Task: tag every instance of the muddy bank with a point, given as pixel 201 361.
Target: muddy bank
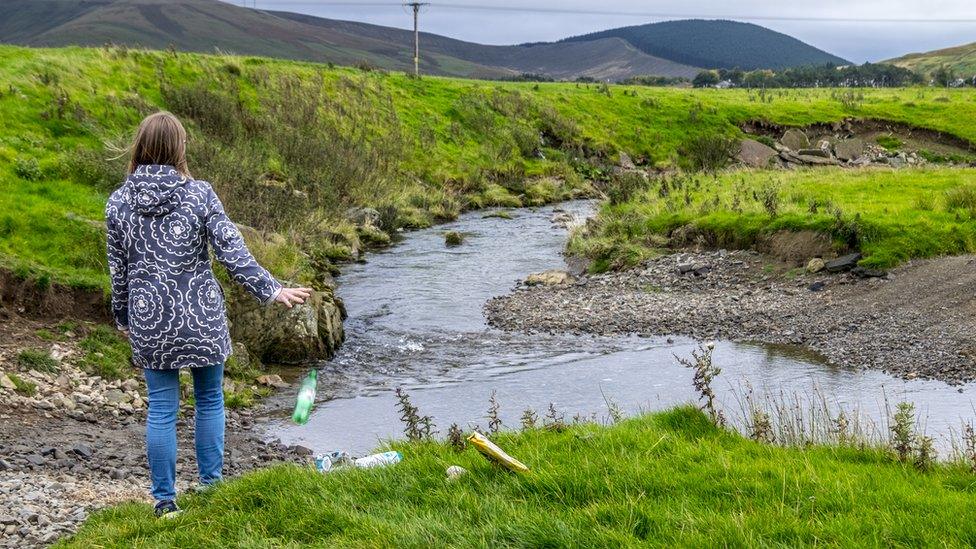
pixel 915 323
pixel 75 442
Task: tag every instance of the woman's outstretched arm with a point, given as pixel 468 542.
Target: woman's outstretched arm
pixel 231 251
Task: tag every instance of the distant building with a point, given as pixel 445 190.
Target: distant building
pixel 724 84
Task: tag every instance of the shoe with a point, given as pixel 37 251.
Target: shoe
pixel 166 509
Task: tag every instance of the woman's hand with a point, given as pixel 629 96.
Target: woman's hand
pixel 289 297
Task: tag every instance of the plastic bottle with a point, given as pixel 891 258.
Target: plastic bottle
pixel 306 399
pixel 379 460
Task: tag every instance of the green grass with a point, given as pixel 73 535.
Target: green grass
pixel 668 479
pixel 38 360
pixel 890 142
pixel 426 148
pixel 889 215
pixel 22 386
pixel 106 353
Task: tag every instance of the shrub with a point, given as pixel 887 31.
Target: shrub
pixel 415 426
pixel 27 168
pixel 705 372
pixel 903 431
pixel 625 185
pixel 494 421
pixel 455 437
pixel 709 152
pixel 453 238
pixel 769 197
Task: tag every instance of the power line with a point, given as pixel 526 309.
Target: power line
pixel 625 13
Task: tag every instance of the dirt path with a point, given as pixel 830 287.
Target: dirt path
pixel 917 322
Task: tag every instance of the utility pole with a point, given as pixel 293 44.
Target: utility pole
pixel 416 35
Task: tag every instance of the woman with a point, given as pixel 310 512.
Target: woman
pixel 162 224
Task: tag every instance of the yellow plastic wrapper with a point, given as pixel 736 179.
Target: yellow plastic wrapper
pixel 491 450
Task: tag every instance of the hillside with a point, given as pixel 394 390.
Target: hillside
pixel 674 49
pixel 961 59
pixel 263 130
pixel 209 25
pixel 605 58
pixel 718 44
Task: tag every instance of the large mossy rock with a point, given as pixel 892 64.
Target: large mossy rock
pixel 275 334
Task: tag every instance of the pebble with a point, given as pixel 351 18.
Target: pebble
pixel 78 446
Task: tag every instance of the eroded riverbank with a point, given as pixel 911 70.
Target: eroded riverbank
pixel 915 323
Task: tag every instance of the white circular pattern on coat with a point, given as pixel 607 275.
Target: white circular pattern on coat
pixel 204 304
pixel 191 352
pixel 151 306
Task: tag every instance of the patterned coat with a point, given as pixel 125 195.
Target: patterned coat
pixel 160 226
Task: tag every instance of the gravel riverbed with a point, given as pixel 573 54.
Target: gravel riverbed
pixel 916 322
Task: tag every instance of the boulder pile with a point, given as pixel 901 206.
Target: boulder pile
pixel 794 148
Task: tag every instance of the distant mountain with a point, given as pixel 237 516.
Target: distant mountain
pixel 607 58
pixel 206 25
pixel 677 48
pixel 718 44
pixel 962 59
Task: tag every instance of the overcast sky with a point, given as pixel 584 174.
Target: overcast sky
pixel 857 41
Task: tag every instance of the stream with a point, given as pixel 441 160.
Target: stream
pixel 416 322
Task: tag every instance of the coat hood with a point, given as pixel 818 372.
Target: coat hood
pixel 152 189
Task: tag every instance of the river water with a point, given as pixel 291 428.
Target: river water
pixel 416 322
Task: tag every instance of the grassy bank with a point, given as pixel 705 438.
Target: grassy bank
pixel 666 479
pixel 289 145
pixel 889 215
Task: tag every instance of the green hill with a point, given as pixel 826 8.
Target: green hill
pixel 961 59
pixel 674 49
pixel 266 131
pixel 719 44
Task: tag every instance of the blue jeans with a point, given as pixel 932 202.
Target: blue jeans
pixel 164 403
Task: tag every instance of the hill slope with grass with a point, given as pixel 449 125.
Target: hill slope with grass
pixel 961 59
pixel 290 146
pixel 890 216
pixel 719 44
pixel 670 479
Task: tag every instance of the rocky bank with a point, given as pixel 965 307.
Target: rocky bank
pixel 72 442
pixel 915 322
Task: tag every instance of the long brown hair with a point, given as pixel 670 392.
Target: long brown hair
pixel 160 139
